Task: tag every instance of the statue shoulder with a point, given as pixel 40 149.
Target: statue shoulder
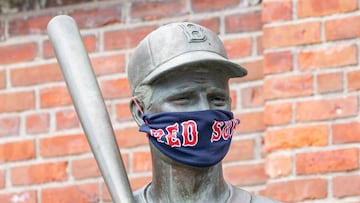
pixel 239 195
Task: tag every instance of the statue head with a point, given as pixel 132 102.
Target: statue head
pixel 174 49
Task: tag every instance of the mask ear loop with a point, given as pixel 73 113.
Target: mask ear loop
pixel 136 102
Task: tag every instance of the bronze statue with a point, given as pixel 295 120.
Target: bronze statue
pixel 179 80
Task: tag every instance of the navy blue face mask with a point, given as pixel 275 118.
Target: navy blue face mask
pixel 198 138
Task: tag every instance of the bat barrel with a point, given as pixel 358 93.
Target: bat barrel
pixel 89 104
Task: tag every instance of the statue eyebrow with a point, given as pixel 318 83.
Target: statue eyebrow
pixel 217 89
pixel 182 89
pixel 188 89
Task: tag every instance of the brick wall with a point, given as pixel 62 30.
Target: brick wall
pixel 299 105
pixel 311 99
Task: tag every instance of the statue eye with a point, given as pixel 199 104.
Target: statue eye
pixel 181 100
pixel 218 100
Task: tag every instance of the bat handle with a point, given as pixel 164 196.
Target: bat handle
pixel 89 104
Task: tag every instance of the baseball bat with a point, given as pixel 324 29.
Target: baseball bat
pixel 89 104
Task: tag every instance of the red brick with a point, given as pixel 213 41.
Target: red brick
pixel 35 75
pixel 141 161
pixel 135 182
pixel 252 96
pixel 327 161
pixel 18 53
pixel 83 193
pixel 9 126
pixel 212 23
pixel 2 30
pixel 137 138
pixel 249 174
pixel 48 51
pixel 126 161
pixel 105 196
pixel 346 132
pixel 325 109
pixel 123 111
pixel 2 79
pixel 292 34
pixel 139 182
pixel 278 62
pixel 156 10
pixel 345 186
pixel 54 96
pixel 104 65
pixel 233 98
pixel 63 145
pixel 67 119
pixel 37 123
pixel 29 25
pixel 288 86
pixel 278 165
pixel 251 122
pixel 277 113
pixel 311 8
pixel 296 137
pixel 88 168
pixel 342 28
pixel 243 22
pixel 100 16
pixel 17 101
pixel 330 82
pixel 240 150
pixel 85 168
pixel 238 48
pixel 90 42
pixel 208 5
pixel 353 82
pixel 21 196
pixel 115 88
pixel 17 151
pixel 259 45
pixel 2 180
pixel 255 72
pixel 328 57
pixel 128 38
pixel 274 10
pixel 39 173
pixel 297 190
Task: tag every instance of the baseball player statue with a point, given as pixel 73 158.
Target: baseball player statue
pixel 178 76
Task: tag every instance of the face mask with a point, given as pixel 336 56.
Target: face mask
pixel 199 139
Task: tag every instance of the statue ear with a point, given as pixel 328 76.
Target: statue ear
pixel 136 109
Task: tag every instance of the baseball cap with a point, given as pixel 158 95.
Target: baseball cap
pixel 176 45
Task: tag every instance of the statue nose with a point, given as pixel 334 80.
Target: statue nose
pixel 203 103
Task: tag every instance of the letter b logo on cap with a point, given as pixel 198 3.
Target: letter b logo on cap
pixel 193 33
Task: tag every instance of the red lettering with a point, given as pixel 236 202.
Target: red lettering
pixel 190 133
pixel 172 139
pixel 216 134
pixel 226 131
pixel 157 134
pixel 235 123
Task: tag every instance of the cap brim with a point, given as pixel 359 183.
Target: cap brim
pixel 232 69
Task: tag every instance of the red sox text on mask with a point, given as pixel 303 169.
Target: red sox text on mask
pixel 189 133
